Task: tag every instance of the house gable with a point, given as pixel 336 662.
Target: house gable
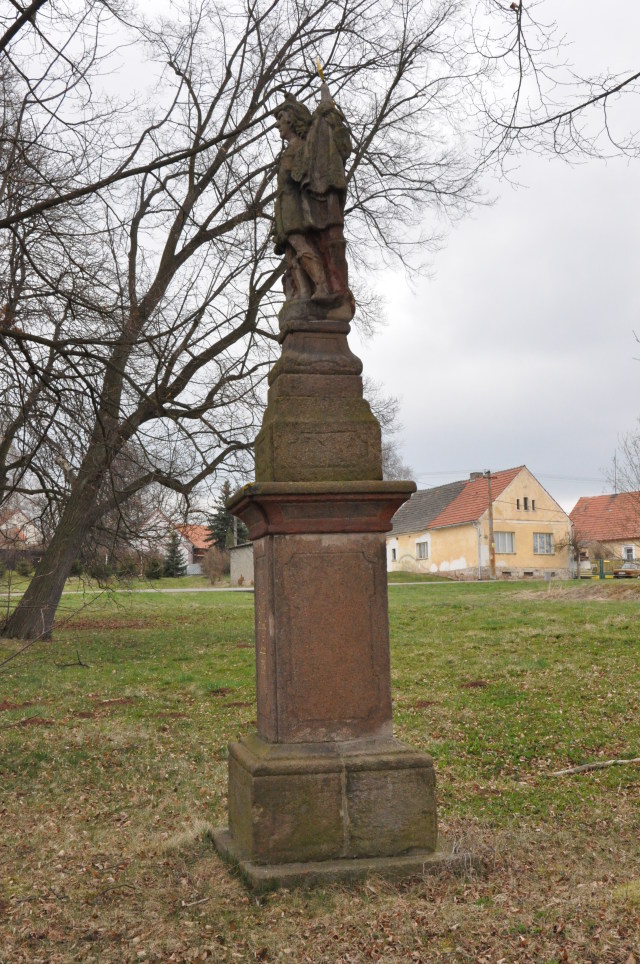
pixel 607 518
pixel 473 500
pixel 417 514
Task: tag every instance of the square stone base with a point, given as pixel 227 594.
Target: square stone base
pixel 308 802
pixel 261 877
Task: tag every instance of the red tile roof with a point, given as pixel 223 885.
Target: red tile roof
pixel 602 518
pixel 198 536
pixel 474 499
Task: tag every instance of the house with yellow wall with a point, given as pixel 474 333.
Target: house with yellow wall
pixel 448 529
pixel 608 526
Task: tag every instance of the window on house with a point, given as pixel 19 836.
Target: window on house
pixel 505 542
pixel 517 503
pixel 543 544
pixel 422 550
pixel 533 505
pixel 394 555
pixel 526 503
pixel 628 553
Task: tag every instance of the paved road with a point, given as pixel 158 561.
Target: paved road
pixel 84 592
pixel 97 589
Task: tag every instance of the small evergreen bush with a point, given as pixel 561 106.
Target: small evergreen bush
pixel 153 568
pixel 76 568
pixel 23 567
pixel 174 564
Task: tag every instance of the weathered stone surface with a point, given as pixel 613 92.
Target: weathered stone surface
pixel 314 451
pixel 337 308
pixel 310 198
pixel 328 386
pixel 317 426
pixel 275 815
pixel 278 508
pixel 315 352
pixel 265 877
pixel 334 800
pixel 389 809
pixel 322 637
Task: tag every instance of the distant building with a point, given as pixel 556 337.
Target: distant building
pixel 608 526
pixel 446 529
pixel 241 557
pixel 20 530
pixel 194 544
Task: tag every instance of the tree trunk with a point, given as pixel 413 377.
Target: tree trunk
pixel 33 616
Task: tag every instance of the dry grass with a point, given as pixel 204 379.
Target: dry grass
pixel 108 801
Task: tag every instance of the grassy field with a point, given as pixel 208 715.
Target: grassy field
pixel 113 772
pixel 12 582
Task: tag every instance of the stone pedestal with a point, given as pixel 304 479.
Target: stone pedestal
pixel 323 790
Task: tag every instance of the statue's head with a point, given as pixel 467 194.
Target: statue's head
pixel 293 115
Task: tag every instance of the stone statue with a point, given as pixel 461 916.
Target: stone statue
pixel 309 208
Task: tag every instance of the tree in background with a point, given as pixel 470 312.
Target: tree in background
pixel 386 409
pixel 174 564
pixel 225 529
pixel 624 475
pixel 137 271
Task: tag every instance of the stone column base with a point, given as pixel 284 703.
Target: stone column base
pixel 261 877
pixel 314 802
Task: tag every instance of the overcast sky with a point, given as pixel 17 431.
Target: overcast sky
pixel 520 346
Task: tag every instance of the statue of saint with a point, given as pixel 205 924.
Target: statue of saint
pixel 309 208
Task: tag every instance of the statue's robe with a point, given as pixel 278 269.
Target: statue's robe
pixel 312 185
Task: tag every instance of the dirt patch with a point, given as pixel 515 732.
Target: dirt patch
pixel 474 684
pixel 423 704
pixel 84 715
pixel 8 705
pixel 221 691
pixel 172 716
pixel 240 703
pixel 244 645
pixel 597 591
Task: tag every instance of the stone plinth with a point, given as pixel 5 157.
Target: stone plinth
pixel 324 783
pixel 329 801
pixel 322 625
pixel 317 426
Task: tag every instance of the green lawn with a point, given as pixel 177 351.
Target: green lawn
pixel 113 772
pixel 11 583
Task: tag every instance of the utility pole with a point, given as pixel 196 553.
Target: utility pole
pixel 492 545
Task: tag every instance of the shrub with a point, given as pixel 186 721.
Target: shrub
pixel 215 564
pixel 23 567
pixel 101 571
pixel 127 568
pixel 153 568
pixel 76 568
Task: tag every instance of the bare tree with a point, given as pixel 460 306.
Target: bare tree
pixel 148 313
pixel 140 285
pixel 624 475
pixel 386 409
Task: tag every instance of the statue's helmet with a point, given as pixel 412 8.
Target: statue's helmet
pixel 300 114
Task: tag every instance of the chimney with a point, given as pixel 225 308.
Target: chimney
pixel 474 476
